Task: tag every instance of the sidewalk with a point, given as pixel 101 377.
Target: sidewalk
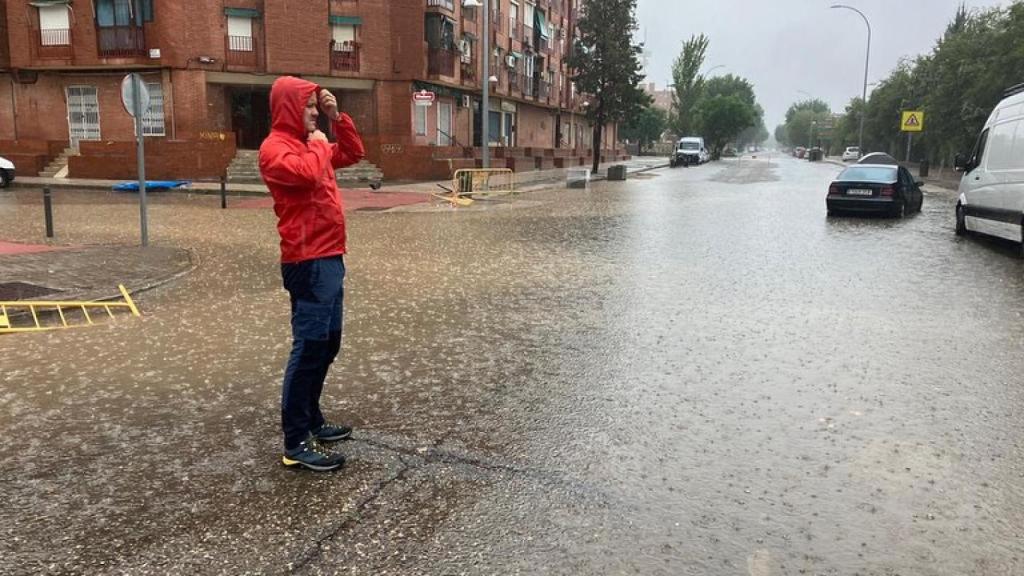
pixel 524 180
pixel 46 272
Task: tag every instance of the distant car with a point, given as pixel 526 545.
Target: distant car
pixel 690 151
pixel 6 172
pixel 851 154
pixel 799 151
pixel 874 188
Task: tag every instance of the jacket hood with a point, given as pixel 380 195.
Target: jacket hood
pixel 288 98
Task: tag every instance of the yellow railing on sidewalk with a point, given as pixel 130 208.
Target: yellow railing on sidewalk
pixel 68 312
pixel 468 184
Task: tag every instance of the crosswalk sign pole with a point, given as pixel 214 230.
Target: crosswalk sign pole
pixel 910 139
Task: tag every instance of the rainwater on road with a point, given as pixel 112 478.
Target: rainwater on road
pixel 692 372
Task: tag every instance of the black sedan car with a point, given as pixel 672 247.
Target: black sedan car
pixel 874 188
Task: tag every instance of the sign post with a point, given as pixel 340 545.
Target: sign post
pixel 912 121
pixel 135 98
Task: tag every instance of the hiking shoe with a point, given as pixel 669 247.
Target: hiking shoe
pixel 311 454
pixel 332 432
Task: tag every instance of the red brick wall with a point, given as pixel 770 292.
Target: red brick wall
pixel 298 36
pixel 165 159
pixel 7 131
pixel 30 156
pixel 536 127
pixel 5 52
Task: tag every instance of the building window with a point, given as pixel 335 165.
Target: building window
pixel 240 34
pixel 344 36
pixel 123 12
pixel 153 117
pixel 54 25
pixel 421 120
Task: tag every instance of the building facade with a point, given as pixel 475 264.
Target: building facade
pixel 209 64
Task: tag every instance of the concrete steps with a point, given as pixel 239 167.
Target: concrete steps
pixel 245 169
pixel 58 165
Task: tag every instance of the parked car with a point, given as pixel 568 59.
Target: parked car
pixel 6 172
pixel 992 187
pixel 875 188
pixel 851 154
pixel 690 151
pixel 799 151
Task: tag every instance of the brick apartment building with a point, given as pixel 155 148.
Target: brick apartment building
pixel 209 64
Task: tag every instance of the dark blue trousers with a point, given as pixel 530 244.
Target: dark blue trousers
pixel 317 293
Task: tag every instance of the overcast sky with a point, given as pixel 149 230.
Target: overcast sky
pixel 787 46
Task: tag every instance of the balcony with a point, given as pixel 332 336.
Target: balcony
pixel 528 86
pixel 120 41
pixel 468 71
pixel 527 37
pixel 345 56
pixel 54 44
pixel 544 45
pixel 515 28
pixel 543 90
pixel 441 62
pixel 446 4
pixel 496 17
pixel 240 51
pixel 469 14
pixel 513 80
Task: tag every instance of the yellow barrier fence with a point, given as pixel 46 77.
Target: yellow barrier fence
pixel 67 312
pixel 468 184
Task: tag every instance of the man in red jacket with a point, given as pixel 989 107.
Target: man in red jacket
pixel 297 163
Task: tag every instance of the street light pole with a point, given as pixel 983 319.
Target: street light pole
pixel 867 59
pixel 485 106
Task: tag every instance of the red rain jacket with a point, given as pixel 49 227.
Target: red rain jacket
pixel 300 174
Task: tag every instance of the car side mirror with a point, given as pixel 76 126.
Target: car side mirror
pixel 961 163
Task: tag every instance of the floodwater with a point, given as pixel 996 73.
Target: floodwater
pixel 693 373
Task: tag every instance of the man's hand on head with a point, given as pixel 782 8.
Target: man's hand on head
pixel 329 105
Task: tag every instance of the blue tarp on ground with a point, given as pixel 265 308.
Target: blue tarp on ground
pixel 150 185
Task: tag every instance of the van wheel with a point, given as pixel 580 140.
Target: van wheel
pixel 961 221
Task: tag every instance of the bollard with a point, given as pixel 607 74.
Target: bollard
pixel 223 192
pixel 48 212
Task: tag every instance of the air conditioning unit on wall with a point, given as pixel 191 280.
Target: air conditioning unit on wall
pixel 465 101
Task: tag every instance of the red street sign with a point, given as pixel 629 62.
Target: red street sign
pixel 423 98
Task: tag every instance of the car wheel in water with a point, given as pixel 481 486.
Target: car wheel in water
pixel 961 221
pixel 4 179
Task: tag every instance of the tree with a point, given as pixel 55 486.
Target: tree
pixel 688 83
pixel 722 118
pixel 645 125
pixel 780 135
pixel 804 128
pixel 606 64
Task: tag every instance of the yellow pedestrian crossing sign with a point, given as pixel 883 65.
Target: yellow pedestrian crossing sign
pixel 913 121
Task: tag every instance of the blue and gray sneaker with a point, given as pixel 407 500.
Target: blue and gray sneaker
pixel 332 432
pixel 311 454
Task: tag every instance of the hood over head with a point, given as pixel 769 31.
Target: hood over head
pixel 288 98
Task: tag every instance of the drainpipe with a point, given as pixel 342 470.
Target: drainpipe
pixel 14 105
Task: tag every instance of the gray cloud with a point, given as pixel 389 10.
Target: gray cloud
pixel 787 46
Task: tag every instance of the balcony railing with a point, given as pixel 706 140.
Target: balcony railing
pixel 527 36
pixel 543 45
pixel 242 51
pixel 446 4
pixel 528 84
pixel 440 62
pixel 54 44
pixel 495 17
pixel 120 41
pixel 513 80
pixel 515 28
pixel 468 72
pixel 543 89
pixel 345 56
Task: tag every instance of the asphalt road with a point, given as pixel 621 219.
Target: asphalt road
pixel 692 372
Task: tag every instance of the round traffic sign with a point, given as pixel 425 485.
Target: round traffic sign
pixel 128 94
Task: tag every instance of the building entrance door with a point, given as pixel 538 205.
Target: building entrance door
pixel 83 114
pixel 250 116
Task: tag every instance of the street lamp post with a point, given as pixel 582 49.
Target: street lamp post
pixel 867 59
pixel 485 106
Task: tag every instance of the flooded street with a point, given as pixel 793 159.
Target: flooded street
pixel 691 372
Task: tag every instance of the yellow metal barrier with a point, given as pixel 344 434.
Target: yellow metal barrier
pixel 468 184
pixel 13 324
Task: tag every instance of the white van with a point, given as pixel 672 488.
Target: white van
pixel 992 187
pixel 690 151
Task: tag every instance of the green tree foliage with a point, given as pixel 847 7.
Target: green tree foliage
pixel 689 84
pixel 606 64
pixel 806 126
pixel 780 135
pixel 644 126
pixel 722 118
pixel 980 55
